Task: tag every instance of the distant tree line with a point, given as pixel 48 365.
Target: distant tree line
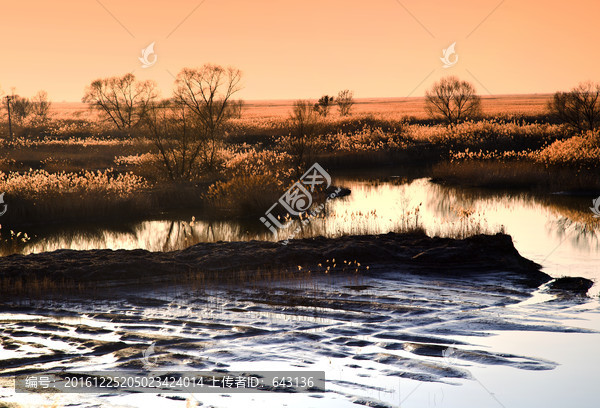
pixel 454 100
pixel 23 111
pixel 189 128
pixel 344 101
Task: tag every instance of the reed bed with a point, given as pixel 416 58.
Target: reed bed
pixel 40 196
pixel 81 169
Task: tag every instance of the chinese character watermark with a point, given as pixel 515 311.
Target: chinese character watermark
pixel 3 206
pixel 297 200
pixel 595 209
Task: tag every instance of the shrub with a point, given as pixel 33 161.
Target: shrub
pixel 323 105
pixel 40 196
pixel 254 180
pixel 345 100
pixel 305 124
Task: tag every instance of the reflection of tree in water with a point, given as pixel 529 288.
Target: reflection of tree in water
pixel 581 235
pixel 182 234
pixel 444 201
pixel 574 222
pixel 176 234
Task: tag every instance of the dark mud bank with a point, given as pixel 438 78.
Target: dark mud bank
pixel 571 285
pixel 479 255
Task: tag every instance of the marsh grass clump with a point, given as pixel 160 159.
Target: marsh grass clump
pixel 307 275
pixel 9 405
pixel 39 195
pixel 11 241
pixel 489 135
pixel 252 181
pixel 581 151
pixel 367 139
pixel 565 163
pixel 469 224
pixel 505 175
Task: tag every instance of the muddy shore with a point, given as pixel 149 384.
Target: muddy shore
pixel 427 313
pixel 366 255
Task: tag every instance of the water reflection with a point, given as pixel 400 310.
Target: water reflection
pixel 557 231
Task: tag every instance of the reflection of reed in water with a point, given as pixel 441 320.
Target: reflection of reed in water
pixel 79 237
pixel 373 207
pixel 566 214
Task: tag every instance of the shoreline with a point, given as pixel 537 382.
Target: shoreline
pixel 255 261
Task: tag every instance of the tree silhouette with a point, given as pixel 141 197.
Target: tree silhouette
pixel 453 100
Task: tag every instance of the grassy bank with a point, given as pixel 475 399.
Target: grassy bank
pixel 79 171
pixel 567 164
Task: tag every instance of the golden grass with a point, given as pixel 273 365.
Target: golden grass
pixel 398 108
pixel 37 195
pixel 581 151
pixel 253 181
pixel 38 184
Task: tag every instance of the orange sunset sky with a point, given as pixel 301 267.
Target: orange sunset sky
pixel 302 49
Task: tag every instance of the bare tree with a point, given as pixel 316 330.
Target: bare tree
pixel 345 100
pixel 579 108
pixel 323 104
pixel 452 99
pixel 207 92
pixel 123 100
pixel 178 136
pixel 41 106
pixel 8 99
pixel 305 124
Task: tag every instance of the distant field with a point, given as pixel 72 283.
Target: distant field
pixel 533 104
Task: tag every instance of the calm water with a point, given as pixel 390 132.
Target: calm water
pixel 516 350
pixel 557 231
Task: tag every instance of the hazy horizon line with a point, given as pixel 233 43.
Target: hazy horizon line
pixel 363 99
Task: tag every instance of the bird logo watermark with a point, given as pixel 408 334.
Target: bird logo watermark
pixel 595 209
pixel 3 205
pixel 148 361
pixel 448 52
pixel 146 54
pixel 449 355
